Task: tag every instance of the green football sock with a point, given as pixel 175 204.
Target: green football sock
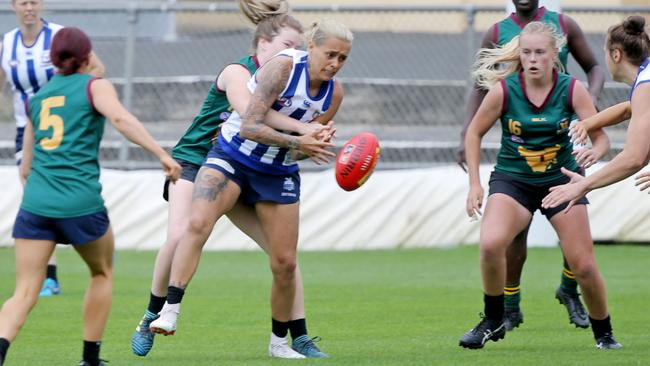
pixel 568 282
pixel 512 297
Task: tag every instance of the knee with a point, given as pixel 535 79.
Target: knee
pixel 584 268
pixel 26 297
pixel 492 249
pixel 105 270
pixel 283 265
pixel 198 225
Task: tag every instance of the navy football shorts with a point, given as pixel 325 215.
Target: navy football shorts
pixel 70 230
pixel 255 186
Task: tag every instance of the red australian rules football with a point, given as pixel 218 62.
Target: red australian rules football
pixel 356 160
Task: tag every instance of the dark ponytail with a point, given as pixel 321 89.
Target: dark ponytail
pixel 634 25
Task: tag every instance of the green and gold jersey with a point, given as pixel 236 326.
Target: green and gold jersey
pixel 64 180
pixel 202 133
pixel 508 28
pixel 535 143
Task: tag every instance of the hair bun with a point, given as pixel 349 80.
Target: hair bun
pixel 634 25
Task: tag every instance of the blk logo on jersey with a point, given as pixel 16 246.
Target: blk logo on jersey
pixel 14 63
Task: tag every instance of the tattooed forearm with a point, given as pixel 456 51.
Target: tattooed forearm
pixel 297 155
pixel 208 187
pixel 260 132
pixel 271 80
pixel 294 143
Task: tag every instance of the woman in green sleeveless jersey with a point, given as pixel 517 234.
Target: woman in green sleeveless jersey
pixel 627 49
pixel 33 34
pixel 535 104
pixel 275 30
pixel 499 34
pixel 62 200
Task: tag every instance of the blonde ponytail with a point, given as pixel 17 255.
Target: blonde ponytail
pixel 258 10
pixel 269 16
pixel 495 64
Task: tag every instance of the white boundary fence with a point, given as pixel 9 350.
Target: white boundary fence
pixel 416 208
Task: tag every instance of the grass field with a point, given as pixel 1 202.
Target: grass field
pixel 406 307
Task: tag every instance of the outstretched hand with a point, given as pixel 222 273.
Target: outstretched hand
pixel 586 157
pixel 643 181
pixel 579 133
pixel 314 147
pixel 570 192
pixel 310 128
pixel 327 131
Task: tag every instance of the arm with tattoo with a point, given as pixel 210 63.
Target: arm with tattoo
pixel 297 155
pixel 271 80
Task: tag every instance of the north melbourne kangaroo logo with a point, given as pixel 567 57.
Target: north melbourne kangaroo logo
pixel 288 184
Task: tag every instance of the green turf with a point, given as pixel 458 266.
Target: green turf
pixel 406 307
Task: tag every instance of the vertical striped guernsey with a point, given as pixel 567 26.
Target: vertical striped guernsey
pixel 296 102
pixel 27 68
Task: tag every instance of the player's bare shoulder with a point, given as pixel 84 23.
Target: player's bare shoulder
pixel 273 76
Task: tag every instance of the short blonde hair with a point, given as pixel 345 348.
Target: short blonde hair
pixel 325 28
pixel 495 64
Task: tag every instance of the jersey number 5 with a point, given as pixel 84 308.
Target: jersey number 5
pixel 51 120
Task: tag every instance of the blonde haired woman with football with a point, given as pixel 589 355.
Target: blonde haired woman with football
pixel 275 31
pixel 252 162
pixel 534 103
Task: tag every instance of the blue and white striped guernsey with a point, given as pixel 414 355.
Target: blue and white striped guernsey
pixel 27 69
pixel 642 76
pixel 295 102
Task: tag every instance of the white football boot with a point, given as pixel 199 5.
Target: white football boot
pixel 279 347
pixel 166 322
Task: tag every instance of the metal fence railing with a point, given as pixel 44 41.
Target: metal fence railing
pixel 406 79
